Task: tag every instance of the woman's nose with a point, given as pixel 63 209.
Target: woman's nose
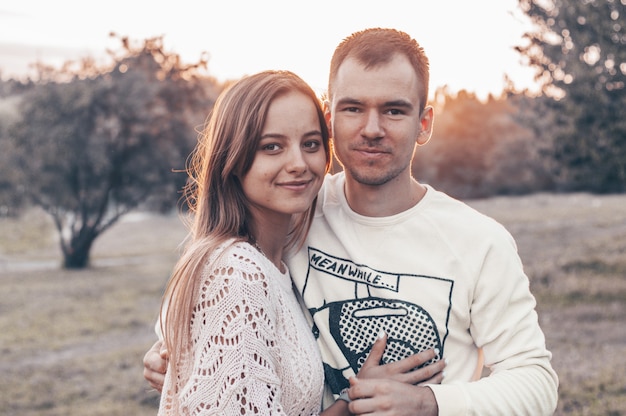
pixel 297 162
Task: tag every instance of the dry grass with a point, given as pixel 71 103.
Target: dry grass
pixel 574 251
pixel 72 342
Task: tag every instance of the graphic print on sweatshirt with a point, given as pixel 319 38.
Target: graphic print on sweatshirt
pixel 356 303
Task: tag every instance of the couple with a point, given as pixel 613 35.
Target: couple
pixel 384 255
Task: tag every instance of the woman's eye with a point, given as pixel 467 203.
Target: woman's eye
pixel 313 145
pixel 270 147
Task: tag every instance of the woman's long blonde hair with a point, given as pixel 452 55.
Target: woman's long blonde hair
pixel 219 209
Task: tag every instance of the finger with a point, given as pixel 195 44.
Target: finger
pixel 157 345
pixel 155 379
pixel 154 361
pixel 377 351
pixel 436 379
pixel 362 395
pixel 425 374
pixel 157 386
pixel 362 389
pixel 154 349
pixel 160 348
pixel 363 406
pixel 413 361
pixel 353 391
pixel 147 358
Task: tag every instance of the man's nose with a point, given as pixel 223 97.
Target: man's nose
pixel 373 128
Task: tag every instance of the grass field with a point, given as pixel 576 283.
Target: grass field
pixel 72 341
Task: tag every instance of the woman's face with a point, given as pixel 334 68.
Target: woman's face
pixel 290 161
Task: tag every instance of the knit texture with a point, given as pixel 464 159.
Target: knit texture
pixel 252 350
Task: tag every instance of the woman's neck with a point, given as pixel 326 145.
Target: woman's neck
pixel 269 237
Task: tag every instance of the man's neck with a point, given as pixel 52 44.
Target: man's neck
pixel 383 200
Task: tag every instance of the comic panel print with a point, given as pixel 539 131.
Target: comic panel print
pixel 352 303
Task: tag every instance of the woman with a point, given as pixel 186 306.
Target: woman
pixel 237 338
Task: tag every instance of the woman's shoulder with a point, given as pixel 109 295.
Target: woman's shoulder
pixel 235 257
pixel 235 270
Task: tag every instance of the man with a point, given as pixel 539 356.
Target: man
pixel 388 253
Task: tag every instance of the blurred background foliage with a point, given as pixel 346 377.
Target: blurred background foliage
pixel 89 143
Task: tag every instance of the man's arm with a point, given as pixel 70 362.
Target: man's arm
pixel 155 367
pixel 504 323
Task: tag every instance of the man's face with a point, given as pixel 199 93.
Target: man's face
pixel 375 120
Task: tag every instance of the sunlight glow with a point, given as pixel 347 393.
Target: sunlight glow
pixel 468 50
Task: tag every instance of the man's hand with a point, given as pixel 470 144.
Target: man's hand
pixel 403 370
pixel 396 388
pixel 390 398
pixel 155 365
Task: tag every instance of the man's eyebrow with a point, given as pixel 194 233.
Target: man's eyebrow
pixel 349 100
pixel 399 103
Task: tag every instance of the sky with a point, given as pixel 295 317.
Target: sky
pixel 469 42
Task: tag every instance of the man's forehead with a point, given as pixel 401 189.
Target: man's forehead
pixel 392 81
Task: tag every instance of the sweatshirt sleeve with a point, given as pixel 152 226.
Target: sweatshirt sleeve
pixel 504 324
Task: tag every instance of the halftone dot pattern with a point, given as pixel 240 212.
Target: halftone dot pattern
pixel 409 328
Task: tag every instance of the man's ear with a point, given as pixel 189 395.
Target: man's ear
pixel 426 123
pixel 327 117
